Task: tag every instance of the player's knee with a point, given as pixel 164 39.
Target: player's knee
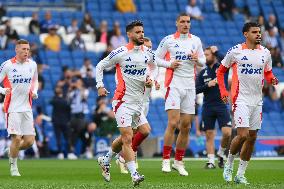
pixel 30 142
pixel 126 139
pixel 227 134
pixel 243 137
pixel 173 123
pixel 252 138
pixel 17 140
pixel 185 128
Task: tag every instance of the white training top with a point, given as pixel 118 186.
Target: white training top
pixel 22 78
pixel 179 47
pixel 131 71
pixel 248 72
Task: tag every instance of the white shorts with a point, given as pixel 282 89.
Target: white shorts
pixel 20 123
pixel 127 115
pixel 146 108
pixel 180 99
pixel 247 116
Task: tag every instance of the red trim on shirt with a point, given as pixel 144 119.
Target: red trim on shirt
pixel 177 35
pixel 7 100
pixel 120 87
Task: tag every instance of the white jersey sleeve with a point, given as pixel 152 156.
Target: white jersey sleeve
pixel 229 58
pixel 268 63
pixel 107 62
pixel 200 52
pixel 3 73
pixel 161 53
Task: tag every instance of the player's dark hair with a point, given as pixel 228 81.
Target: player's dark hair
pixel 209 48
pixel 133 24
pixel 181 14
pixel 249 25
pixel 22 41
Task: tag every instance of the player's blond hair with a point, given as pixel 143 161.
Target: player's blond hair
pixel 22 41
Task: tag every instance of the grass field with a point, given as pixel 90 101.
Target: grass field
pixel 53 174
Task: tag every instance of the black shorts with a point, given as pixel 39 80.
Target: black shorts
pixel 210 114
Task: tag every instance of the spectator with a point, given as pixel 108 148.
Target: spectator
pixel 78 43
pixel 125 6
pixel 270 39
pixel 79 108
pixel 271 103
pixel 34 26
pixel 88 73
pixel 104 118
pixel 46 23
pixel 11 32
pixel 88 25
pixel 281 42
pixel 2 11
pixel 3 38
pixel 86 136
pixel 102 34
pixel 193 10
pixel 61 116
pixel 272 23
pixel 74 27
pixel 226 8
pixel 261 23
pixel 117 39
pixel 34 53
pixel 52 41
pixel 66 80
pixel 276 57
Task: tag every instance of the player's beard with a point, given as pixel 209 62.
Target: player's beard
pixel 137 42
pixel 209 63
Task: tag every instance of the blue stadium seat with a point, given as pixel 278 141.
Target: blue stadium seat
pixel 51 54
pixel 78 54
pixel 53 62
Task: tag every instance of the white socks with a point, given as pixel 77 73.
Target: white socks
pixel 242 168
pixel 221 152
pixel 110 154
pixel 211 158
pixel 131 167
pixel 230 160
pixel 13 162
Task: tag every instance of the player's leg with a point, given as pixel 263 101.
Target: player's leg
pixel 13 154
pixel 210 148
pixel 209 119
pixel 247 149
pixel 187 113
pixel 128 153
pixel 182 143
pixel 172 106
pixel 241 119
pixel 27 141
pixel 169 137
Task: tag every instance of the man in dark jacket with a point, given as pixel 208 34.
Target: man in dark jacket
pixel 213 108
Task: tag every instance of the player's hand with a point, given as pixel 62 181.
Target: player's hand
pixel 274 81
pixel 148 83
pixel 175 64
pixel 194 56
pixel 214 49
pixel 225 96
pixel 102 91
pixel 212 83
pixel 7 91
pixel 157 85
pixel 34 96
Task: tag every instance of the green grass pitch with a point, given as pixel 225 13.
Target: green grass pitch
pixel 61 174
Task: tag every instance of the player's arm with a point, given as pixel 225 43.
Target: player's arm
pixel 153 71
pixel 34 87
pixel 162 59
pixel 198 57
pixel 223 68
pixel 3 72
pixel 107 62
pixel 268 74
